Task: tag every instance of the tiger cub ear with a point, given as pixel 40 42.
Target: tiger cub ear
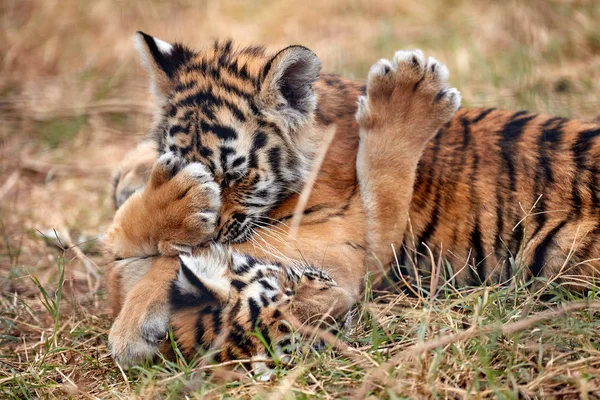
pixel 287 84
pixel 162 60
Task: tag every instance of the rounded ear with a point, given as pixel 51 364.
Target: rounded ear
pixel 162 60
pixel 287 83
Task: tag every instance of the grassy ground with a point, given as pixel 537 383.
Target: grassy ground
pixel 73 99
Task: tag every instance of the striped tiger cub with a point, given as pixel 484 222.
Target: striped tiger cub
pixel 406 175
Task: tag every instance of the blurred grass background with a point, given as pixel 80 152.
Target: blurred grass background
pixel 74 99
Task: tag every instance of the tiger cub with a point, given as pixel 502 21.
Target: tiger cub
pixel 220 300
pixel 405 174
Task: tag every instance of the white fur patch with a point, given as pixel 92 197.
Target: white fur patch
pixel 380 68
pixel 210 268
pixel 140 45
pixel 142 48
pixel 182 248
pixel 198 171
pixel 440 69
pixel 260 371
pixel 164 47
pixel 166 158
pixel 405 56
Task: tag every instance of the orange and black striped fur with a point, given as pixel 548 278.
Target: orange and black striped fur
pixel 495 185
pixel 401 173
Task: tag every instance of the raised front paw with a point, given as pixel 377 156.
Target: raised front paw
pixel 407 96
pixel 134 342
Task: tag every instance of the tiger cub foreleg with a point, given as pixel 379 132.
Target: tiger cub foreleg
pixel 176 210
pixel 407 101
pixel 228 305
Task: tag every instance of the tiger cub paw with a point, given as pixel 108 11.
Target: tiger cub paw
pixel 407 96
pixel 183 202
pixel 176 210
pixel 132 344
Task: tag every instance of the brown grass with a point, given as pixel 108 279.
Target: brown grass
pixel 73 100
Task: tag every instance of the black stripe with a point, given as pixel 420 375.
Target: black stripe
pixel 580 149
pixel 222 132
pixel 338 213
pixel 499 221
pixel 254 312
pixel 214 71
pixel 426 180
pixel 205 152
pixel 208 102
pixel 274 156
pixel 476 239
pixel 259 140
pixel 551 135
pixel 266 285
pixel 509 136
pixel 517 237
pixel 175 129
pixel 200 331
pixel 356 246
pixel 160 136
pixel 238 337
pixel 224 153
pixel 238 161
pixel 179 88
pixel 238 284
pixel 264 331
pixel 458 167
pixel 431 226
pixel 217 315
pixel 264 300
pixel 240 72
pixel 540 252
pixel 204 294
pixel 483 115
pixel 233 313
pixel 477 243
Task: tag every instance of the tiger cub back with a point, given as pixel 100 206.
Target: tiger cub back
pixel 500 191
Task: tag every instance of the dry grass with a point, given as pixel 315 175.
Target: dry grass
pixel 73 100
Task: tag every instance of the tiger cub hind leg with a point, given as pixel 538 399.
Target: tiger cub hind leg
pixel 407 101
pixel 234 306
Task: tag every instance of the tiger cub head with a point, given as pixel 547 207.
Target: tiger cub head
pixel 244 113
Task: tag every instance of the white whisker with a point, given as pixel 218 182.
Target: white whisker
pixel 270 233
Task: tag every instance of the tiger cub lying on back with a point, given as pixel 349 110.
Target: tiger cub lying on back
pixel 238 129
